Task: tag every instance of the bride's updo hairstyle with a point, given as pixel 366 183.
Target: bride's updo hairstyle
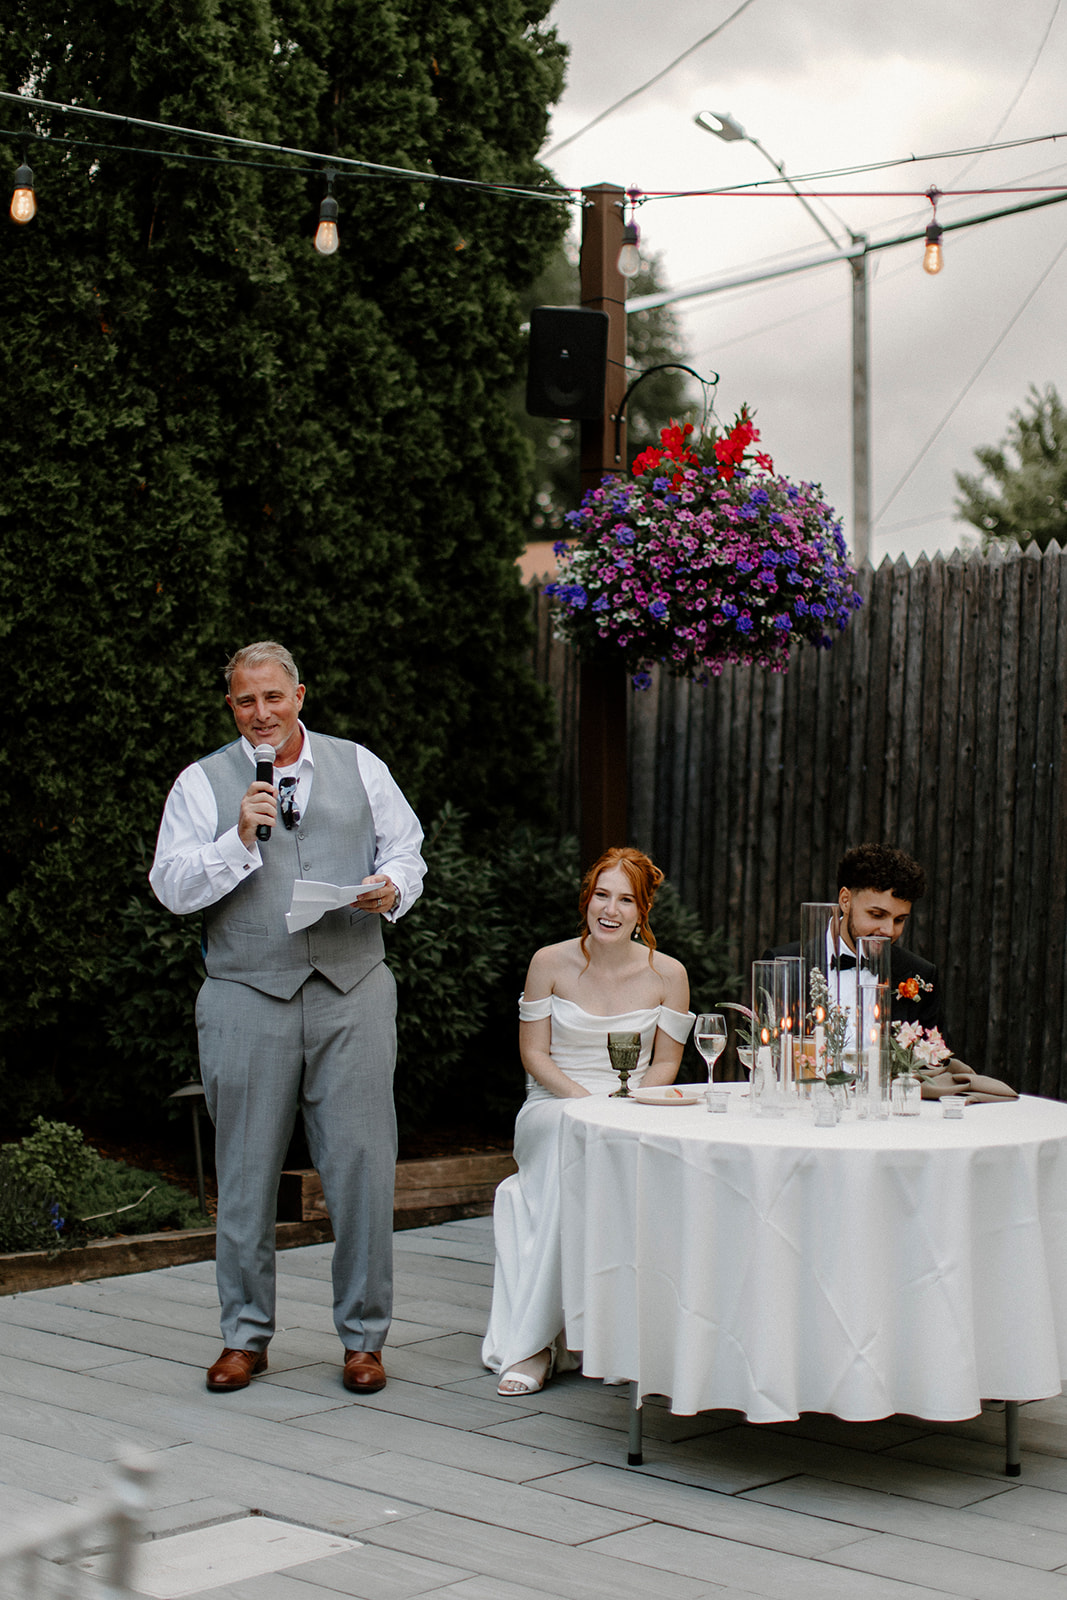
pixel 645 878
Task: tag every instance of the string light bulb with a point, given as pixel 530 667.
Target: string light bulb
pixel 932 258
pixel 327 237
pixel 629 262
pixel 23 201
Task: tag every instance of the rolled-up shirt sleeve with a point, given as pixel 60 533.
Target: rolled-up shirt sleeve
pixel 397 831
pixel 192 869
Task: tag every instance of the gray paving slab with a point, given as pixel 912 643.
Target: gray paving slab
pixel 422 1400
pixel 950 1571
pixel 726 1516
pixel 77 1433
pixel 464 1347
pixel 574 1573
pixel 296 1493
pixel 1034 1507
pixel 430 1441
pixel 481 1498
pixel 994 1534
pixel 422 1285
pixel 774 1456
pixel 444 1247
pixel 449 1269
pixel 376 1574
pixel 59 1350
pixel 602 1404
pixel 745 1568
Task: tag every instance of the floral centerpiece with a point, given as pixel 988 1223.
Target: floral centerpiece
pixel 916 1049
pixel 702 561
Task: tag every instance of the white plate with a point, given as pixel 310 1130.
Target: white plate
pixel 685 1094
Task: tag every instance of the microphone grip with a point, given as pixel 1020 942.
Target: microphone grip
pixel 264 774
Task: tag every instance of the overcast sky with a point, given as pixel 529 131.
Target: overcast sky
pixel 824 84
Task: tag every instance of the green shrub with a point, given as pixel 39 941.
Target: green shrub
pixel 56 1190
pixel 122 1199
pixel 29 1220
pixel 445 956
pixel 53 1159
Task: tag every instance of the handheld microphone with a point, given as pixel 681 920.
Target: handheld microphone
pixel 263 755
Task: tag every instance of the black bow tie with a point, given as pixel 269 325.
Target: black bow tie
pixel 842 963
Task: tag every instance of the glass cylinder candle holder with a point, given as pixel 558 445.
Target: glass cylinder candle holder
pixel 789 997
pixel 872 1026
pixel 766 1008
pixel 820 945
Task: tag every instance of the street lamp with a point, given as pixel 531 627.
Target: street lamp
pixel 724 126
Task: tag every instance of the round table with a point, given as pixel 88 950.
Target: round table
pixel 914 1265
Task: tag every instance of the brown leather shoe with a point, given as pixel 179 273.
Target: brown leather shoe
pixel 234 1368
pixel 363 1372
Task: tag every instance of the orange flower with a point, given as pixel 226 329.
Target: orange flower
pixel 908 989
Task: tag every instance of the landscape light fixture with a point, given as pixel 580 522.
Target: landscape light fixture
pixel 327 237
pixel 932 258
pixel 23 201
pixel 629 255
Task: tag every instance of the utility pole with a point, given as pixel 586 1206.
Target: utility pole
pixel 602 752
pixel 861 425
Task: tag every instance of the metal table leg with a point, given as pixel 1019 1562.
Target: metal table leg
pixel 634 1456
pixel 1012 1457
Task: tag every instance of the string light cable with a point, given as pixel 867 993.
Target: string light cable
pixel 554 193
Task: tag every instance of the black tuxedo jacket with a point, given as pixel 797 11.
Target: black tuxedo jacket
pixel 903 964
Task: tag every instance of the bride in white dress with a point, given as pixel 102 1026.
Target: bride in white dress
pixel 611 977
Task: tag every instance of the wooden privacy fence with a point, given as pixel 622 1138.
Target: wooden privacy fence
pixel 937 722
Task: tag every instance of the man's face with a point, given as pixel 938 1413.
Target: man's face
pixel 266 707
pixel 873 913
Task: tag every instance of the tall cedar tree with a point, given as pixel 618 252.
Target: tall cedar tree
pixel 215 435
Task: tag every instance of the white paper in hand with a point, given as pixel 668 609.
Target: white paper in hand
pixel 312 900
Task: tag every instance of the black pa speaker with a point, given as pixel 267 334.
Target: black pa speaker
pixel 568 362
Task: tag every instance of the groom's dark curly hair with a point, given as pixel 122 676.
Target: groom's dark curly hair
pixel 881 867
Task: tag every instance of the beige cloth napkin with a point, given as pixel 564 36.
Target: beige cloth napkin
pixel 956 1077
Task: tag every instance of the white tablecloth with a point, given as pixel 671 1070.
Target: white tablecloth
pixel 913 1265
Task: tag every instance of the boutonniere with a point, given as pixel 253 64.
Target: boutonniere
pixel 910 988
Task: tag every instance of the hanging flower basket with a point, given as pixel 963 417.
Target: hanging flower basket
pixel 702 562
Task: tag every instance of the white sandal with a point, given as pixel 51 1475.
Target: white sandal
pixel 525 1382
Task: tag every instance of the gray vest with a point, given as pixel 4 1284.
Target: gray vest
pixel 246 938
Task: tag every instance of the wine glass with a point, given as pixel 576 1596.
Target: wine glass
pixel 624 1050
pixel 710 1035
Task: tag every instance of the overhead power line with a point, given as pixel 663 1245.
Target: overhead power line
pixel 601 116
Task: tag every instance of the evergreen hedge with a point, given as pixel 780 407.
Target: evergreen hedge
pixel 215 435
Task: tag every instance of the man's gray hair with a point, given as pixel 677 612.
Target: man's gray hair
pixel 261 654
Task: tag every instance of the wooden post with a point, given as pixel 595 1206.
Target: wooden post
pixel 603 688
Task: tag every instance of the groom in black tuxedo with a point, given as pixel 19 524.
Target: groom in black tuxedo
pixel 876 889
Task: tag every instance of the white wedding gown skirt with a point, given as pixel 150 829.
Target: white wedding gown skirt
pixel 527 1310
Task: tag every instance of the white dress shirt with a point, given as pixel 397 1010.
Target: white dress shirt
pixel 192 869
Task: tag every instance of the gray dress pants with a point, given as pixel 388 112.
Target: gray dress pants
pixel 331 1056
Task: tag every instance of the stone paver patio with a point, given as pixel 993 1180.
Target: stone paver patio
pixel 438 1487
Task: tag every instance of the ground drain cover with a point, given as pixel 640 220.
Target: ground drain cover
pixel 207 1558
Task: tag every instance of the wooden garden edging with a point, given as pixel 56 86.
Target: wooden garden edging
pixel 427 1192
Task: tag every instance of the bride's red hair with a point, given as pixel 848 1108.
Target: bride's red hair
pixel 645 878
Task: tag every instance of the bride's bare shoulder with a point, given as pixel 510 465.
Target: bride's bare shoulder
pixel 552 965
pixel 675 980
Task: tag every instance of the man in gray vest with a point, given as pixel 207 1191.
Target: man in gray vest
pixel 290 1021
